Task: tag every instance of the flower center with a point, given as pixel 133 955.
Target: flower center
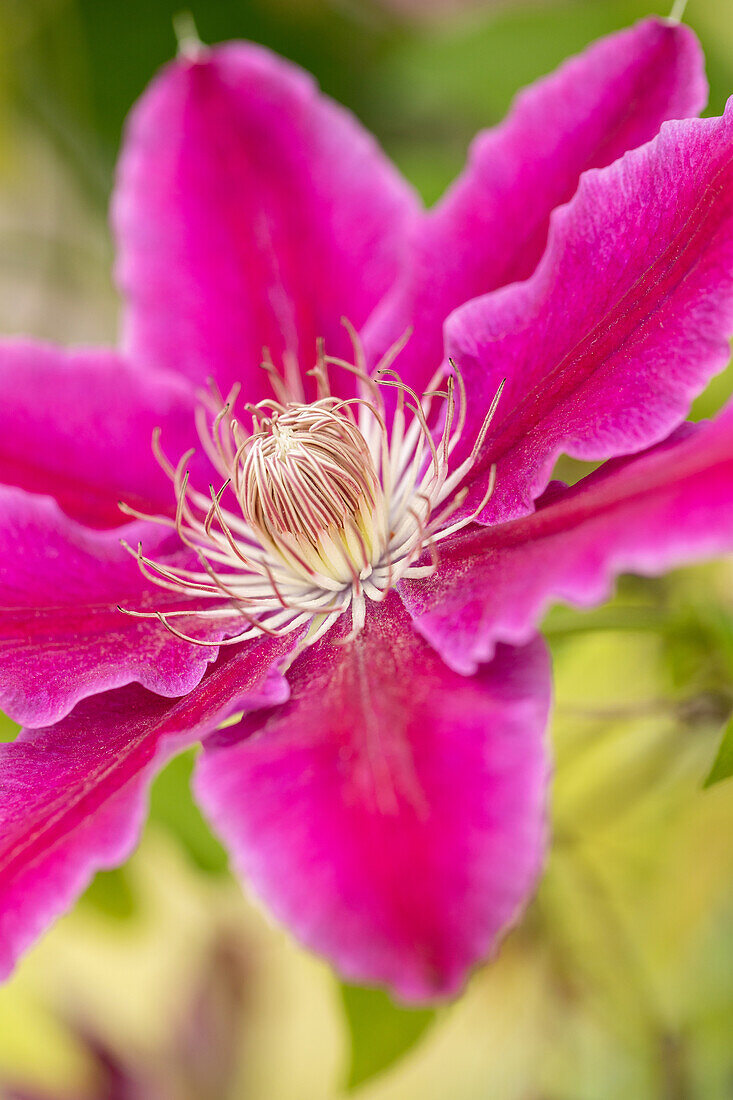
pixel 309 490
pixel 322 506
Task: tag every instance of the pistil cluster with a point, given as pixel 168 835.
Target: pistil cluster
pixel 322 505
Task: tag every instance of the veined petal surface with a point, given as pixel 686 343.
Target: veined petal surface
pixel 62 636
pixel 78 425
pixel 72 795
pixel 392 813
pixel 491 227
pixel 624 322
pixel 664 508
pixel 251 212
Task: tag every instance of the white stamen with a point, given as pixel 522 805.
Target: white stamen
pixel 322 506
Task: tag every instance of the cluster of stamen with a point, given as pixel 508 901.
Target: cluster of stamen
pixel 322 506
pixel 309 490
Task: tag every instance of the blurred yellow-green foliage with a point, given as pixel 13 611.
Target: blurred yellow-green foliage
pixel 165 982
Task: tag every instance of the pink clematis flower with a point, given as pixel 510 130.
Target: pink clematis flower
pixel 339 591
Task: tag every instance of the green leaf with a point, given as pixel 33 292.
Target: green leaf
pixel 381 1031
pixel 723 765
pixel 8 730
pixel 111 893
pixel 171 805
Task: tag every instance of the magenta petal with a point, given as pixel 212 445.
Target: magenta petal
pixel 62 636
pixel 647 514
pixel 251 211
pixel 72 795
pixel 624 321
pixel 392 814
pixel 78 425
pixel 491 227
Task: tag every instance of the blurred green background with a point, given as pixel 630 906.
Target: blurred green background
pixel 165 982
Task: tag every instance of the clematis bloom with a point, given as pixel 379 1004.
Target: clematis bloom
pixel 331 560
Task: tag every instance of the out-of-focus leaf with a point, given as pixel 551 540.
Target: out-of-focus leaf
pixel 111 893
pixel 723 765
pixel 381 1031
pixel 171 805
pixel 8 730
pixel 712 399
pixel 81 70
pixel 698 637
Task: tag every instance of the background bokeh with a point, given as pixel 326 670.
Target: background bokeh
pixel 165 982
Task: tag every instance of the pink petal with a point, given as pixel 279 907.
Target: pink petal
pixel 72 795
pixel 647 514
pixel 623 323
pixel 251 211
pixel 62 636
pixel 491 227
pixel 392 813
pixel 78 425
